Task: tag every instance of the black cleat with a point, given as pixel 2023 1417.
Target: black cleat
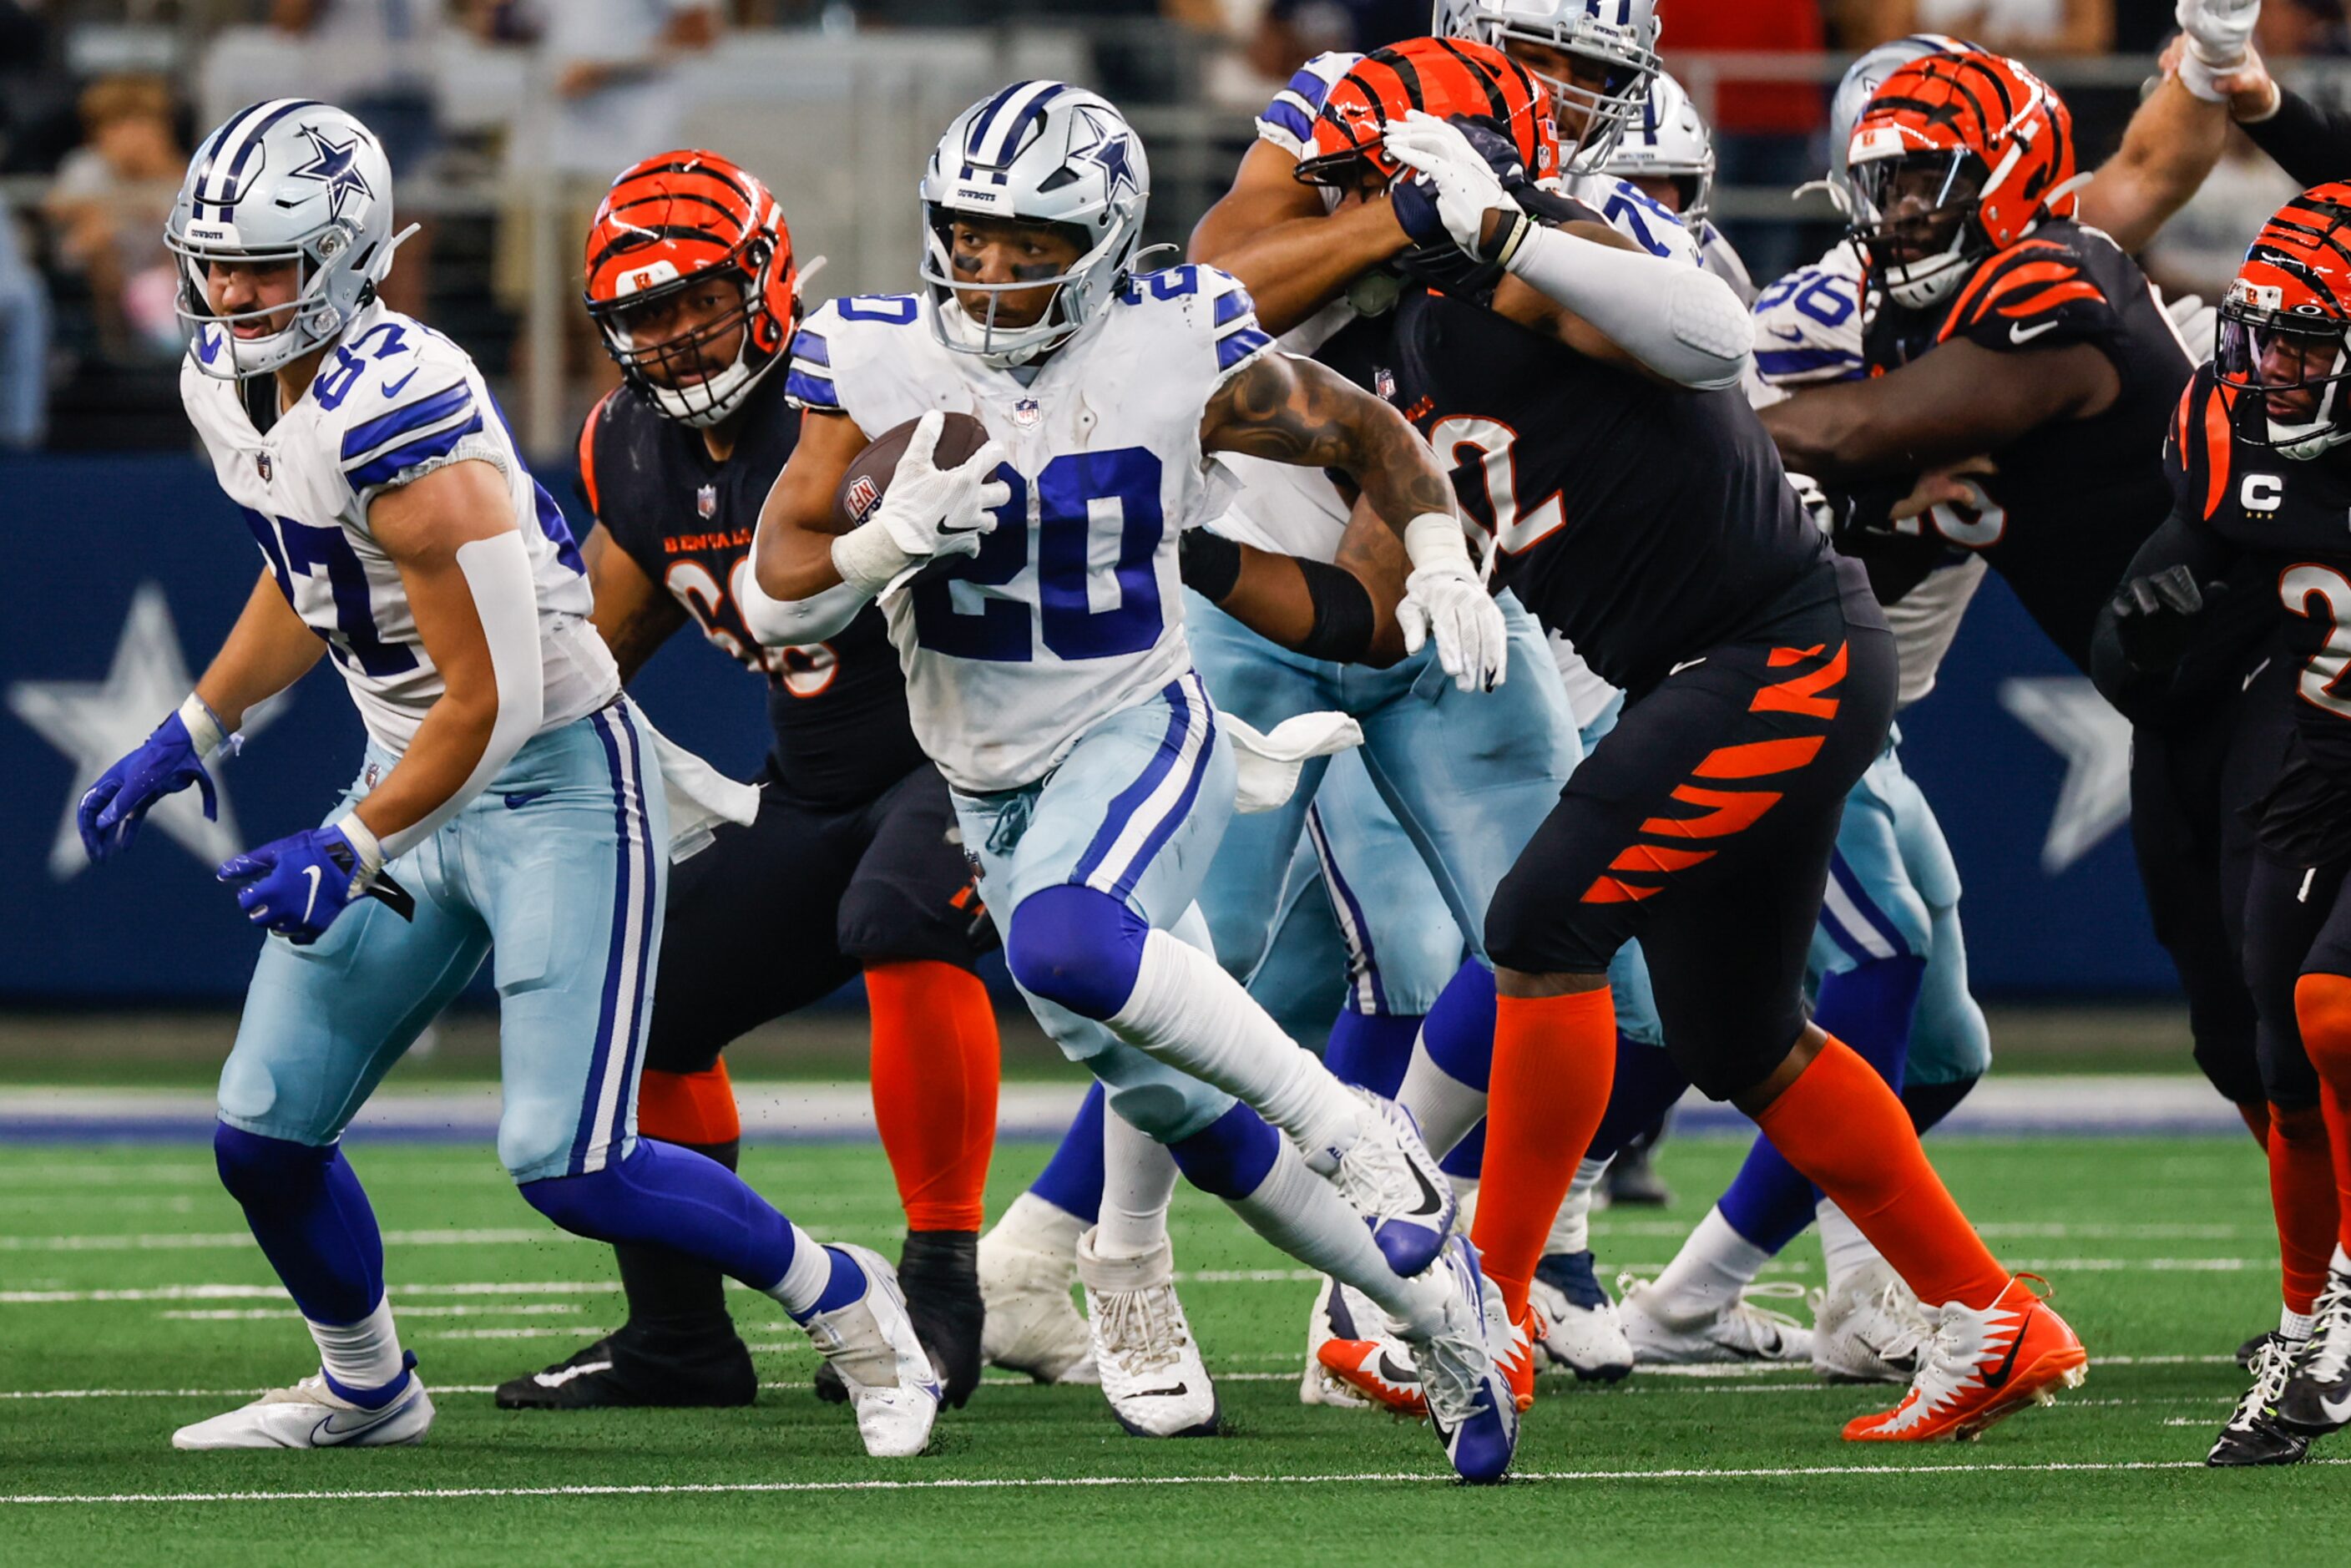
pixel 939 1271
pixel 2254 1435
pixel 2250 1348
pixel 2317 1398
pixel 704 1368
pixel 1631 1182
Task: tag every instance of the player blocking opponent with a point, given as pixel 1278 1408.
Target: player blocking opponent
pixel 1032 592
pixel 853 862
pixel 519 794
pixel 1654 528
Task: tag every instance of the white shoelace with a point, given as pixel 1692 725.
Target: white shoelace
pixel 2272 1364
pixel 1144 1330
pixel 1373 1171
pixel 2330 1339
pixel 1753 1321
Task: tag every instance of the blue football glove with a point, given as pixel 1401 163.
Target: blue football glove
pixel 165 763
pixel 297 885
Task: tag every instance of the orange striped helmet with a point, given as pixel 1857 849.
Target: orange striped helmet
pixel 2285 327
pixel 669 223
pixel 1957 156
pixel 1452 78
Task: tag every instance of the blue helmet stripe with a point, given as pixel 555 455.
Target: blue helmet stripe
pixel 251 147
pixel 1015 127
pixel 979 123
pixel 1008 118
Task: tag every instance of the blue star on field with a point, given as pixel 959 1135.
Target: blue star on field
pixel 335 166
pixel 1108 152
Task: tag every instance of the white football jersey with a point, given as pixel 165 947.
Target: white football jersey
pixel 1074 609
pixel 391 403
pixel 1808 331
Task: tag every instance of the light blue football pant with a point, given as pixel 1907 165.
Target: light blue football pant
pixel 1448 787
pixel 1894 890
pixel 561 869
pixel 1133 811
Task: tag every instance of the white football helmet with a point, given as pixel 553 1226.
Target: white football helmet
pixel 1668 140
pixel 1620 35
pixel 1860 84
pixel 1037 152
pixel 289 180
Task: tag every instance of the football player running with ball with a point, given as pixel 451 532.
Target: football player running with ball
pixel 1032 590
pixel 518 796
pixel 854 862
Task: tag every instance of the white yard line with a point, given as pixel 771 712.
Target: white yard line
pixel 1057 1483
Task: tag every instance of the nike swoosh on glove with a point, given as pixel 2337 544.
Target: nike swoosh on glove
pixel 929 511
pixel 296 885
pixel 1446 602
pixel 1463 175
pixel 165 763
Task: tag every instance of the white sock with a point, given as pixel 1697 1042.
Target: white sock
pixel 2340 1263
pixel 1188 1013
pixel 1845 1251
pixel 1465 1193
pixel 1138 1178
pixel 2295 1325
pixel 803 1283
pixel 1039 1225
pixel 1571 1228
pixel 1445 1107
pixel 1712 1268
pixel 1304 1216
pixel 361 1357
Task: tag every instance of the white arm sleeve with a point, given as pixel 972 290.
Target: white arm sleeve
pixel 497 573
pixel 1684 323
pixel 784 622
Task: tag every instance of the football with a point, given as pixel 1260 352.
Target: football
pixel 867 478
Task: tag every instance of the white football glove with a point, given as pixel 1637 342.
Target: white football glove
pixel 929 511
pixel 2198 325
pixel 1466 187
pixel 1446 599
pixel 2218 32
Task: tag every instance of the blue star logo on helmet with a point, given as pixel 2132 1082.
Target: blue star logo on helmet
pixel 1107 151
pixel 335 166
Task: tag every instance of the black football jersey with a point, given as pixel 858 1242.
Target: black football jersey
pixel 837 707
pixel 2287 524
pixel 1644 523
pixel 2072 499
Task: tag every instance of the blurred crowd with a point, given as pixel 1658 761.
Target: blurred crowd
pixel 101 99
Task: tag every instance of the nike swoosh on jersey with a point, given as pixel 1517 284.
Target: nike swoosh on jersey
pixel 515 802
pixel 392 389
pixel 2018 333
pixel 2255 676
pixel 1687 665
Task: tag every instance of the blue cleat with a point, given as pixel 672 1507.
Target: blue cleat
pixel 1388 1176
pixel 1468 1393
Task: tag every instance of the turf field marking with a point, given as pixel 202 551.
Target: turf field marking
pixel 544 1330
pixel 1054 1483
pixel 168 1241
pixel 285 1314
pixel 278 1293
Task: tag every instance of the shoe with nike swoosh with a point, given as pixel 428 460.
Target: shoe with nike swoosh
pixel 2254 1435
pixel 1151 1369
pixel 309 1415
pixel 1470 1401
pixel 2317 1398
pixel 871 1343
pixel 1377 1364
pixel 1982 1366
pixel 1388 1176
pixel 1668 1333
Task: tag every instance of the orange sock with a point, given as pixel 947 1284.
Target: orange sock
pixel 2303 1196
pixel 695 1108
pixel 1841 1126
pixel 2257 1122
pixel 2321 1006
pixel 936 1067
pixel 1554 1059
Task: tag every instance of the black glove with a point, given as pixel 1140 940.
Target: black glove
pixel 2159 617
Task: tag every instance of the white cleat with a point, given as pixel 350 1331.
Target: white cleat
pixel 871 1343
pixel 1464 1380
pixel 1870 1329
pixel 1582 1331
pixel 1027 1266
pixel 1333 1318
pixel 312 1415
pixel 1388 1176
pixel 1738 1331
pixel 1151 1369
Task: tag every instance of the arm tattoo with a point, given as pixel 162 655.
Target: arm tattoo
pixel 1294 411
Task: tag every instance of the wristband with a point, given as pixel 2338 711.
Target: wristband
pixel 1210 563
pixel 204 728
pixel 867 558
pixel 1434 540
pixel 364 844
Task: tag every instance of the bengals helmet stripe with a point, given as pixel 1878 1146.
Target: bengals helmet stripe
pixel 1448 77
pixel 667 221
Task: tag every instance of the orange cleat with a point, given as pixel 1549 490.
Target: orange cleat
pixel 1527 1332
pixel 1980 1367
pixel 1379 1369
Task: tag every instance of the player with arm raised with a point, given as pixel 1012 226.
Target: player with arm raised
pixel 851 866
pixel 518 794
pixel 1048 676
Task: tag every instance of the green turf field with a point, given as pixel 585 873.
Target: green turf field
pixel 131 1301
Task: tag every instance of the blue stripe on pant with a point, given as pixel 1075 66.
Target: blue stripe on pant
pixel 564 854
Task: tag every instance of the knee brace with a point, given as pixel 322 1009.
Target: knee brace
pixel 2321 1006
pixel 1077 948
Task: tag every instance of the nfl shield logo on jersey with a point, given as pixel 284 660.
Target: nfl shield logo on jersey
pixel 705 500
pixel 261 465
pixel 1025 414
